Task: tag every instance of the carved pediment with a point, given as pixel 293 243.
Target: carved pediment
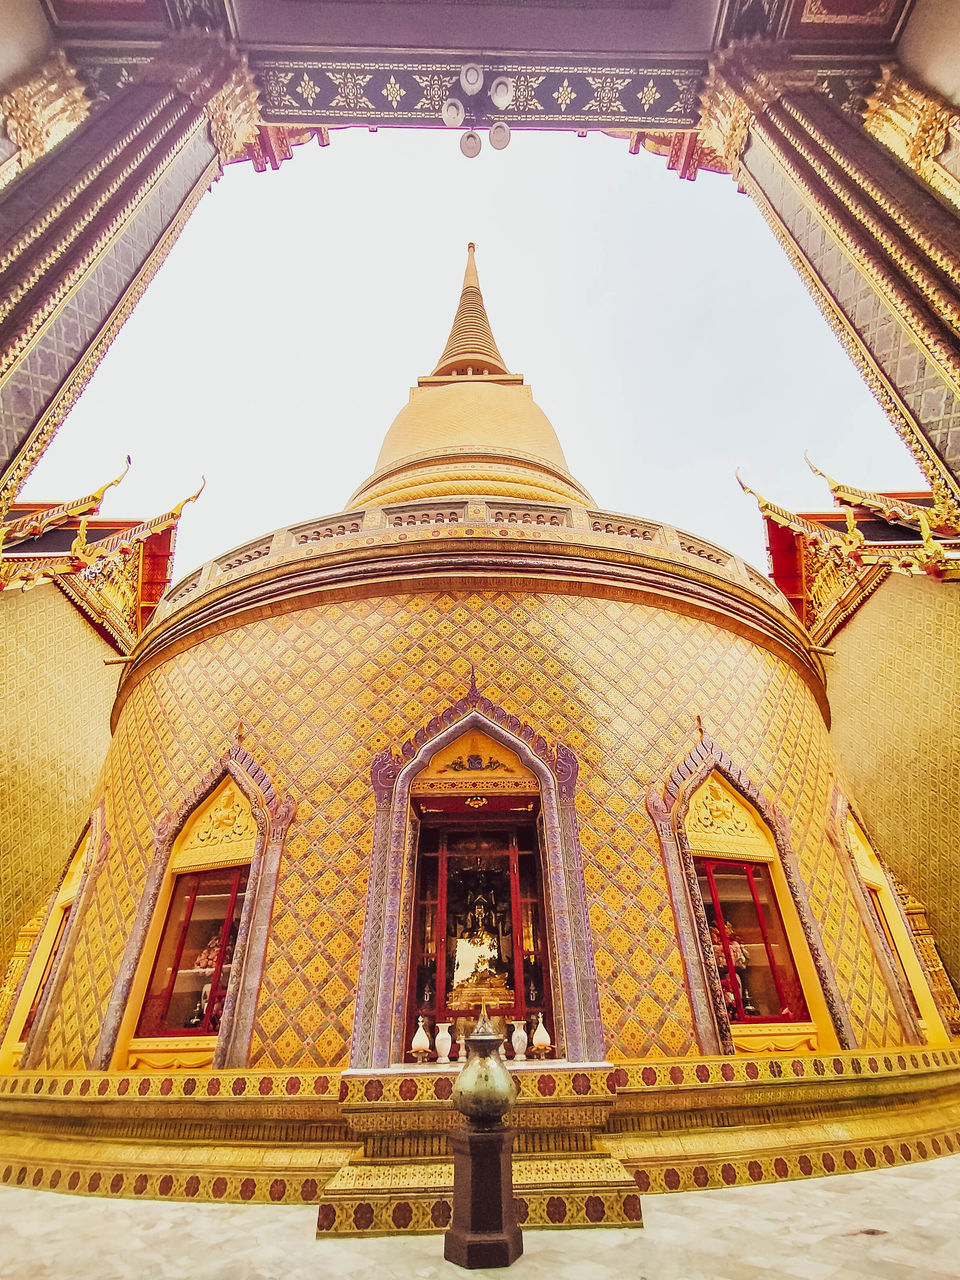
pixel 719 821
pixel 471 763
pixel 222 831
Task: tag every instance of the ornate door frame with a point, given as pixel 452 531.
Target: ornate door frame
pixel 667 804
pixel 378 1031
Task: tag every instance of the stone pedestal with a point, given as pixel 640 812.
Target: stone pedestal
pixel 484 1231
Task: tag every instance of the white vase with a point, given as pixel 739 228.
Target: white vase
pixel 420 1044
pixel 443 1040
pixel 541 1038
pixel 519 1041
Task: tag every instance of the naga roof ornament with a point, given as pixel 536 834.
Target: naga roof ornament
pixel 895 509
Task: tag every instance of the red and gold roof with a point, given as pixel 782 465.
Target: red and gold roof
pixel 113 571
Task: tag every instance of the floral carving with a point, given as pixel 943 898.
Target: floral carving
pixel 307 89
pixel 275 84
pixel 393 92
pixel 350 86
pixel 524 92
pixel 564 95
pixel 606 94
pixel 41 112
pixel 230 819
pixel 434 88
pixel 648 95
pixel 713 812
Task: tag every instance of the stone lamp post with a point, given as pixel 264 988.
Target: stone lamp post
pixel 484 1231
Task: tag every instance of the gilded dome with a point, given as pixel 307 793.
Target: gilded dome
pixel 471 427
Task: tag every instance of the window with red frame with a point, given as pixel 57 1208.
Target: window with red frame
pixel 188 985
pixel 750 947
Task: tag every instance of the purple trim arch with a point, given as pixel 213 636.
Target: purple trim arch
pixel 669 812
pixel 378 1030
pixel 272 816
pixel 840 809
pixel 32 1055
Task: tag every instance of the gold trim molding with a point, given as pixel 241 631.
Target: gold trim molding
pixel 51 421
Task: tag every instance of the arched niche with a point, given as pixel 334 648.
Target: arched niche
pixel 425 763
pixel 709 807
pixel 35 964
pixel 233 818
pixel 888 928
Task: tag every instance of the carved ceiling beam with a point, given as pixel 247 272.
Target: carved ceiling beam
pixel 833 198
pixel 82 235
pixel 206 69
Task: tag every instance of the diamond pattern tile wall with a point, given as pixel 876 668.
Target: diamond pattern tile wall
pixel 895 684
pixel 55 699
pixel 319 691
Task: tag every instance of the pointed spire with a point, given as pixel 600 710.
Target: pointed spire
pixel 471 343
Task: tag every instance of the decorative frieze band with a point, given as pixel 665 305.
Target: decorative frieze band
pixel 368 89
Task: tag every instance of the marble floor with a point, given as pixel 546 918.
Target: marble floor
pixel 894 1224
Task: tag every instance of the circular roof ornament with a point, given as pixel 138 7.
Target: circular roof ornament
pixel 501 92
pixel 452 113
pixel 470 144
pixel 499 134
pixel 471 78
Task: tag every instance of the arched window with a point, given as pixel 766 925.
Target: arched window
pixel 479 929
pixel 894 930
pixel 189 955
pixel 49 933
pixel 771 992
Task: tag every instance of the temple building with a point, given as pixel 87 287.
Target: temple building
pixel 472 739
pixel 875 582
pixel 689 833
pixel 76 591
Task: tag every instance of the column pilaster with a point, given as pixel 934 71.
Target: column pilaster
pixel 39 113
pixel 920 128
pixel 877 249
pixel 83 231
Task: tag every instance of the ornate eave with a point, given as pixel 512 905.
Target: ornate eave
pixel 897 508
pixel 831 573
pixel 115 581
pixel 41 519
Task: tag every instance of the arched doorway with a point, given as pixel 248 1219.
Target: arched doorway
pixel 479 922
pixel 570 981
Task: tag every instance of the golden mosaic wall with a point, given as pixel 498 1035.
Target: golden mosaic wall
pixel 319 691
pixel 55 700
pixel 895 688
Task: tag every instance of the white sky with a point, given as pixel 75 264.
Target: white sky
pixel 662 328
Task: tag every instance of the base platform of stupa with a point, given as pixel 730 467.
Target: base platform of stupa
pixel 370 1148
